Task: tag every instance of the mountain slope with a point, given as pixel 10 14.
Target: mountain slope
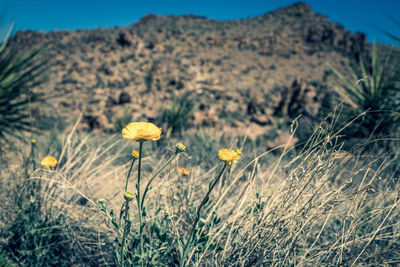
pixel 241 73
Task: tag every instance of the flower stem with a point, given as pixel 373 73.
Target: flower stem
pixel 129 173
pixel 138 199
pixel 225 178
pixel 203 202
pixel 126 230
pixel 154 176
pixel 32 156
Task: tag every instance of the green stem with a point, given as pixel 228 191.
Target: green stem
pixel 138 198
pixel 125 232
pixel 229 172
pixel 155 175
pixel 33 156
pixel 203 202
pixel 129 173
pixel 225 178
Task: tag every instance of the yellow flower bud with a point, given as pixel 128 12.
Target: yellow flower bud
pixel 183 171
pixel 180 147
pixel 48 161
pixel 129 196
pixel 135 154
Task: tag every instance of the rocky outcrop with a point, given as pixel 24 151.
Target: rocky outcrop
pixel 300 98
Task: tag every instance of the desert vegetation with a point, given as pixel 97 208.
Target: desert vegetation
pixel 168 192
pixel 315 205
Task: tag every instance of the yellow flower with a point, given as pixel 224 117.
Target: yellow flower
pixel 183 171
pixel 48 161
pixel 239 151
pixel 180 147
pixel 129 196
pixel 33 140
pixel 135 154
pixel 141 131
pixel 228 155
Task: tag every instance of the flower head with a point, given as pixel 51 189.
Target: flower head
pixel 135 154
pixel 48 161
pixel 183 171
pixel 228 155
pixel 141 131
pixel 180 147
pixel 33 140
pixel 129 196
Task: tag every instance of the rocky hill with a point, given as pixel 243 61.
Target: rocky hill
pixel 243 74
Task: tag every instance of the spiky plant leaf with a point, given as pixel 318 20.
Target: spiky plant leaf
pixel 19 72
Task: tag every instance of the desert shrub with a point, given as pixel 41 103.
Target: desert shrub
pixel 374 91
pixel 148 80
pixel 19 72
pixel 37 239
pixel 177 113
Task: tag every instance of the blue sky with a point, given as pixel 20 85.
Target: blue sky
pixel 47 15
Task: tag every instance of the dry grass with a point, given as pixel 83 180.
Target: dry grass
pixel 318 206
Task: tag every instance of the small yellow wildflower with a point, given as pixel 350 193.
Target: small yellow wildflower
pixel 228 155
pixel 33 140
pixel 180 147
pixel 135 154
pixel 183 171
pixel 48 161
pixel 141 131
pixel 239 151
pixel 129 196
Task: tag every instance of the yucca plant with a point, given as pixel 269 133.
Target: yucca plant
pixel 374 88
pixel 19 72
pixel 177 114
pixel 391 35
